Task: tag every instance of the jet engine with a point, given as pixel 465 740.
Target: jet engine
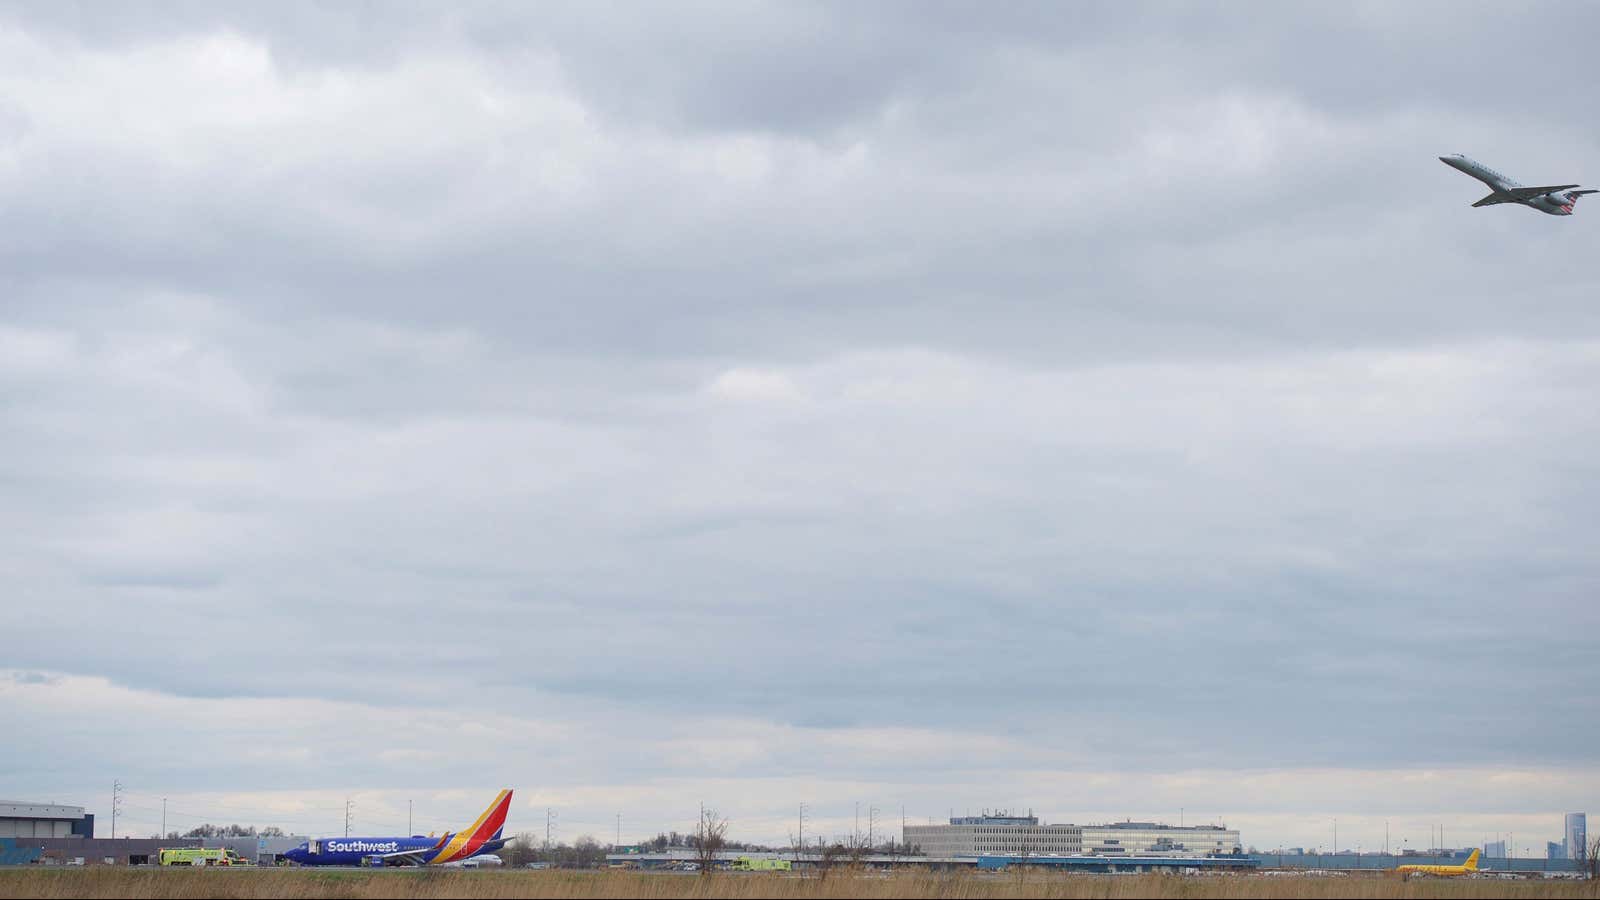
pixel 1558 202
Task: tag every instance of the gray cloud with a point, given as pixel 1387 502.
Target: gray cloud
pixel 1132 384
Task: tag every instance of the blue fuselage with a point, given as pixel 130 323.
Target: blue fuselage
pixel 367 851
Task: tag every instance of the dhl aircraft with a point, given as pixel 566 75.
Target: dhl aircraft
pixel 1466 868
pixel 483 836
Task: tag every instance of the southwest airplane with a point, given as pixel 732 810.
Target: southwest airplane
pixel 1554 199
pixel 1466 868
pixel 418 850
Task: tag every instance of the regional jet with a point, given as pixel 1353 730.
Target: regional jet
pixel 1555 199
pixel 418 850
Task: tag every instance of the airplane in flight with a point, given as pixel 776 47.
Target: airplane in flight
pixel 1466 868
pixel 483 836
pixel 1555 199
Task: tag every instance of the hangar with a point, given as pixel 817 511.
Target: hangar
pixel 45 820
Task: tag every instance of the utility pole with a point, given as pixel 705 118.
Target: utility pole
pixel 116 805
pixel 549 816
pixel 1385 837
pixel 619 831
pixel 1336 836
pixel 163 818
pixel 348 806
pixel 409 829
pixel 855 835
pixel 802 828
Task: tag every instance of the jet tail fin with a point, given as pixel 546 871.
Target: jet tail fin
pixel 1472 862
pixel 466 842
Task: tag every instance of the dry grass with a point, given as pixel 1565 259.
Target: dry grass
pixel 300 883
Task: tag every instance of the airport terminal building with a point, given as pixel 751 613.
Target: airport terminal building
pixel 1018 835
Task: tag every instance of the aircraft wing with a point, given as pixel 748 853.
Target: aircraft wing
pixel 417 857
pixel 1528 193
pixel 1492 199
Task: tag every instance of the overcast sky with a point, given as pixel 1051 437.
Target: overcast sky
pixel 1094 408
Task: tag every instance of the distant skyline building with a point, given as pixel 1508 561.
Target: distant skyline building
pixel 1577 835
pixel 1494 850
pixel 1555 850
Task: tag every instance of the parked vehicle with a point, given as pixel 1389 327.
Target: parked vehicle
pixel 746 864
pixel 202 856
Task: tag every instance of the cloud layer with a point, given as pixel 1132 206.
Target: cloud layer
pixel 793 403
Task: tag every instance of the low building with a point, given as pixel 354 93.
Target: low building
pixel 83 851
pixel 1002 835
pixel 1155 839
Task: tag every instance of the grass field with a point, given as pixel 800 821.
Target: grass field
pixel 278 883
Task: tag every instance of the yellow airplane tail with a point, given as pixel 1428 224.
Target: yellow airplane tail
pixel 1471 864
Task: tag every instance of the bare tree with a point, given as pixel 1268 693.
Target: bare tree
pixel 1023 846
pixel 709 837
pixel 1591 860
pixel 797 848
pixel 829 856
pixel 523 849
pixel 587 853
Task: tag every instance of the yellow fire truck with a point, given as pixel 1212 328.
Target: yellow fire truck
pixel 202 856
pixel 746 864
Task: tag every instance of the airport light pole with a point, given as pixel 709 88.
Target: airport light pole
pixel 163 818
pixel 116 805
pixel 348 804
pixel 802 841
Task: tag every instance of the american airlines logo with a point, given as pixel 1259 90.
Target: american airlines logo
pixel 363 846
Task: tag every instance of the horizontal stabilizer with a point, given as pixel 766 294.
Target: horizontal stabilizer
pixel 1528 193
